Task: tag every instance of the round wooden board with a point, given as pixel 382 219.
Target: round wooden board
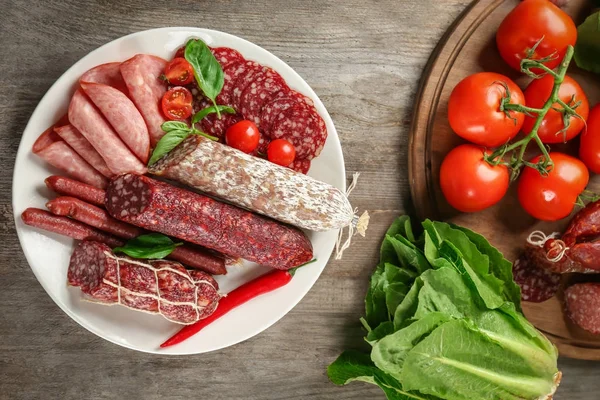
pixel 468 47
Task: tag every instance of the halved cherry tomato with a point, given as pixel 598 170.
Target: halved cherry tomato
pixel 281 152
pixel 179 72
pixel 529 22
pixel 468 182
pixel 552 197
pixel 539 91
pixel 589 147
pixel 243 136
pixel 177 103
pixel 474 109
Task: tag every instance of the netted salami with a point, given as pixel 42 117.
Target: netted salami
pixel 537 284
pixel 153 286
pixel 583 305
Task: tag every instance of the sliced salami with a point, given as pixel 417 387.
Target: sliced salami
pixel 273 110
pixel 583 305
pixel 230 76
pixel 301 166
pixel 107 74
pixel 260 91
pixel 124 117
pixel 537 284
pixel 243 80
pixel 226 56
pixel 215 126
pixel 299 126
pixel 154 286
pixel 80 144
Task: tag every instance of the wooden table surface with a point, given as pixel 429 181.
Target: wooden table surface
pixel 364 59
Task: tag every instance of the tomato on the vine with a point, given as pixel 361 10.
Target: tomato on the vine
pixel 550 131
pixel 470 183
pixel 179 72
pixel 589 147
pixel 474 109
pixel 243 136
pixel 177 103
pixel 281 152
pixel 552 197
pixel 527 24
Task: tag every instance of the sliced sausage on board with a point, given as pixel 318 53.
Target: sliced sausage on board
pixel 154 286
pixel 71 187
pixel 537 284
pixel 84 116
pixel 160 207
pixel 107 74
pixel 124 117
pixel 583 305
pixel 141 74
pixel 80 144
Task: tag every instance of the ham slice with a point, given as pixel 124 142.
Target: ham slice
pixel 141 74
pixel 126 120
pixel 75 139
pixel 107 74
pixel 84 116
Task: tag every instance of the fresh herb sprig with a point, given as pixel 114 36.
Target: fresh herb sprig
pixel 152 245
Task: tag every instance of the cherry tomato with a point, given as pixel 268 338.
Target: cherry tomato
pixel 538 92
pixel 243 136
pixel 180 52
pixel 474 109
pixel 281 152
pixel 177 103
pixel 589 147
pixel 529 22
pixel 179 72
pixel 552 197
pixel 468 182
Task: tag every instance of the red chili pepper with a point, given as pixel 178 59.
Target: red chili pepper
pixel 249 290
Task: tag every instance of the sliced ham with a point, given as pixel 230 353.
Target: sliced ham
pixel 84 116
pixel 52 149
pixel 141 74
pixel 108 74
pixel 124 117
pixel 80 144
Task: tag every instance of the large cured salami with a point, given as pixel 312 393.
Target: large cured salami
pixel 199 219
pixel 154 286
pixel 256 184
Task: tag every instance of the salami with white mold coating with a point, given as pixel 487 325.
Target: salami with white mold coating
pixel 256 184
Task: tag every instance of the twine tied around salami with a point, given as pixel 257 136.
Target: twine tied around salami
pixel 555 248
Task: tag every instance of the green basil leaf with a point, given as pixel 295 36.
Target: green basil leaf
pixel 207 70
pixel 587 48
pixel 151 239
pixel 168 143
pixel 153 245
pixel 206 135
pixel 211 110
pixel 174 126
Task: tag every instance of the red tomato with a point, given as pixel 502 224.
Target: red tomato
pixel 179 72
pixel 468 182
pixel 243 136
pixel 529 22
pixel 281 152
pixel 536 95
pixel 552 197
pixel 474 109
pixel 177 103
pixel 180 52
pixel 589 147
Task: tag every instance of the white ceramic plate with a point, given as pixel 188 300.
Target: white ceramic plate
pixel 48 254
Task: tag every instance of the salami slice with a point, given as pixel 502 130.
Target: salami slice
pixel 260 91
pixel 230 76
pixel 299 126
pixel 141 74
pixel 301 166
pixel 84 116
pixel 243 80
pixel 583 305
pixel 124 117
pixel 537 284
pixel 107 74
pixel 273 110
pixel 226 56
pixel 199 219
pixel 80 144
pixel 218 127
pixel 154 286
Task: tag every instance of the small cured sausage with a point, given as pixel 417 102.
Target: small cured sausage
pixel 52 149
pixel 70 187
pixel 121 113
pixel 98 218
pixel 199 219
pixel 80 144
pixel 84 116
pixel 42 219
pixel 142 77
pixel 537 284
pixel 153 286
pixel 107 74
pixel 583 305
pixel 256 184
